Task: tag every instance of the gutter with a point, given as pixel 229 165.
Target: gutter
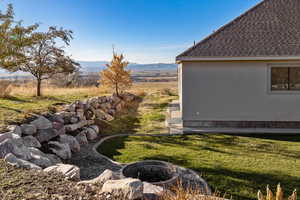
pixel 210 58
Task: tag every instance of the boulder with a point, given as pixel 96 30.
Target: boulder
pixel 71 107
pixel 100 114
pixel 152 191
pixel 8 135
pixel 28 129
pixel 81 138
pixel 42 123
pixel 74 127
pixel 112 112
pixel 80 114
pixel 96 128
pixel 128 97
pixel 44 135
pixel 120 106
pixel 100 180
pixel 74 120
pixel 57 118
pixel 54 159
pixel 39 158
pixel 89 114
pixel 15 129
pixel 61 150
pixel 66 116
pixel 71 141
pixel 16 147
pixel 14 161
pixel 60 127
pixel 90 134
pixel 6 147
pixel 71 172
pixel 31 141
pixel 128 188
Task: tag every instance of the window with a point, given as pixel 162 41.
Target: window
pixel 285 78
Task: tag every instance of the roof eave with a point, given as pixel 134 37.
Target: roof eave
pixel 258 58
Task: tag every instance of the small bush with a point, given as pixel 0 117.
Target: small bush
pixel 5 88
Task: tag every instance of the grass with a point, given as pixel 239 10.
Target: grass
pixel 238 166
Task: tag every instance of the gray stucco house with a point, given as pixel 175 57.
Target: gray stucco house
pixel 247 73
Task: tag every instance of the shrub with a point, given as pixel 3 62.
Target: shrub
pixel 5 88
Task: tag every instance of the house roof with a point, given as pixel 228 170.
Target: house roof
pixel 270 29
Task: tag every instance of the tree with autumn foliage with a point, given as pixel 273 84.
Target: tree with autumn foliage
pixel 116 76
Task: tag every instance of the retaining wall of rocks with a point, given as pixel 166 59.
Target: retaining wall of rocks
pixel 45 141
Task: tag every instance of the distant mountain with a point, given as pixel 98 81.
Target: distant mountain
pixel 96 66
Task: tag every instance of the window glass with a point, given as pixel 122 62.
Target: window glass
pixel 294 78
pixel 280 78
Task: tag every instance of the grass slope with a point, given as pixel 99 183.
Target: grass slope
pixel 238 166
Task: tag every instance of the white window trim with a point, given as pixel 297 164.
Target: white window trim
pixel 269 79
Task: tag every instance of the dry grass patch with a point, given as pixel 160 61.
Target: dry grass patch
pixel 5 88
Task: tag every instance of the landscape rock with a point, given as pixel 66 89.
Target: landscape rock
pixel 74 120
pixel 16 147
pixel 129 188
pixel 96 128
pixel 71 141
pixel 90 133
pixel 89 114
pixel 66 116
pixel 81 138
pixel 80 114
pixel 4 136
pixel 15 129
pixel 100 114
pixel 60 127
pixel 42 123
pixel 39 158
pixel 152 191
pixel 54 159
pixel 71 172
pixel 28 129
pixel 100 180
pixel 31 141
pixel 61 150
pixel 44 135
pixel 6 147
pixel 57 118
pixel 128 97
pixel 14 161
pixel 74 127
pixel 71 107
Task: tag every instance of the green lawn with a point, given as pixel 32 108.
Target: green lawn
pixel 237 166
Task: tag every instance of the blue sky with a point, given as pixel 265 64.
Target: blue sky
pixel 146 31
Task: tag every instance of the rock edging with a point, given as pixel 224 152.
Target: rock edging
pixel 45 140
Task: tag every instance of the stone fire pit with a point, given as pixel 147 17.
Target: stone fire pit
pixel 155 172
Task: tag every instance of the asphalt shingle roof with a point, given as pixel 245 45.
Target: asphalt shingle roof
pixel 271 28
